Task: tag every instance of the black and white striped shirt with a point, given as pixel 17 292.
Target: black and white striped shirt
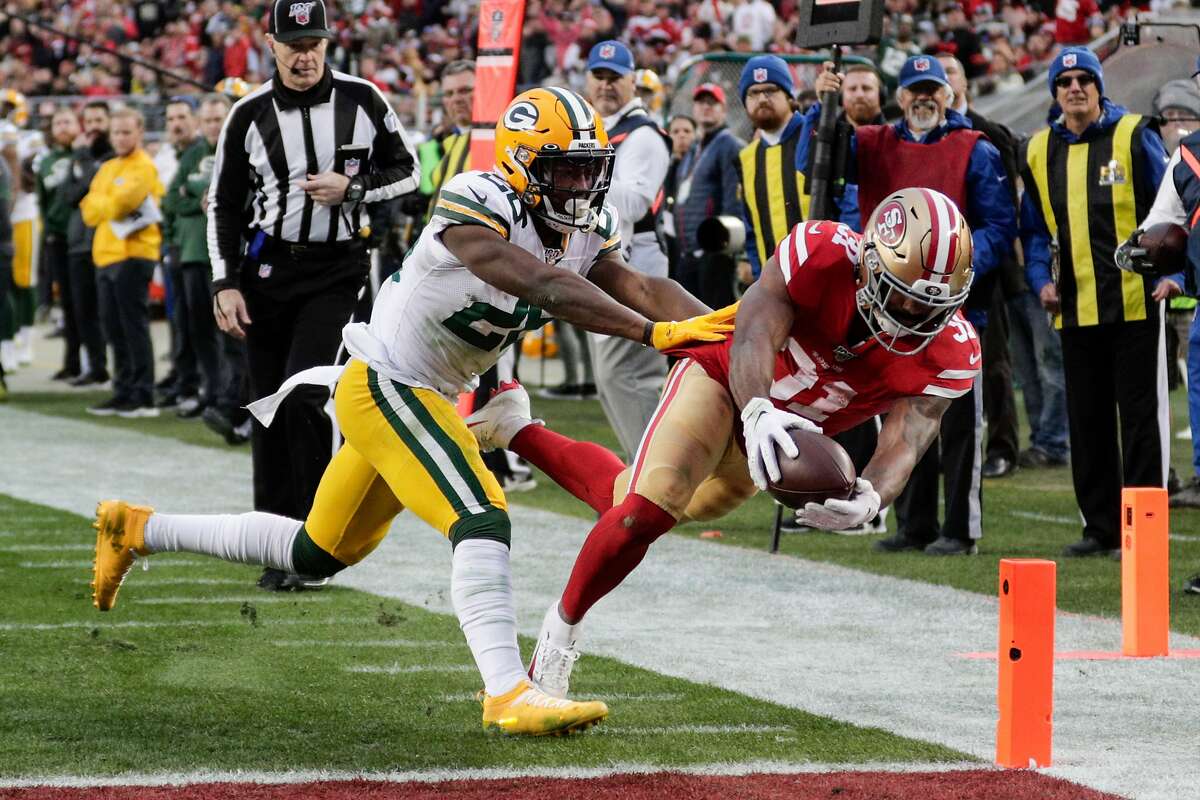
pixel 275 137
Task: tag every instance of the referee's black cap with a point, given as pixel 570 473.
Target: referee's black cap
pixel 299 19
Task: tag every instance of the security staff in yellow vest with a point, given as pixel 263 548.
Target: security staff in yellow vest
pixel 1089 178
pixel 458 97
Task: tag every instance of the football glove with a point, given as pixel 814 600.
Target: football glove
pixel 765 428
pixel 1132 257
pixel 715 326
pixel 840 515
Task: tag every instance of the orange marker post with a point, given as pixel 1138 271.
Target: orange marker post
pixel 1026 690
pixel 1145 580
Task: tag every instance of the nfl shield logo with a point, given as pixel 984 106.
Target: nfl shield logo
pixel 607 51
pixel 352 165
pixel 921 65
pixel 1070 60
pixel 301 12
pixel 264 271
pixel 760 75
pixel 497 25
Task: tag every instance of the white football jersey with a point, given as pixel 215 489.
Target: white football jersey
pixel 437 326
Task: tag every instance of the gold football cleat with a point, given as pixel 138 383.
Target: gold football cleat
pixel 119 539
pixel 528 711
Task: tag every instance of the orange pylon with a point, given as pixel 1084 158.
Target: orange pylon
pixel 1026 686
pixel 1145 577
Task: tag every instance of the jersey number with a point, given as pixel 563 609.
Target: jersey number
pixel 838 394
pixel 522 318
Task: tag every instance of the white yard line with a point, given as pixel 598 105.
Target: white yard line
pixel 441 775
pixel 407 669
pixel 160 563
pixel 858 647
pixel 366 643
pixel 648 697
pixel 254 600
pixel 49 548
pixel 199 623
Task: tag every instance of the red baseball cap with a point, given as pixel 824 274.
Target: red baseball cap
pixel 709 88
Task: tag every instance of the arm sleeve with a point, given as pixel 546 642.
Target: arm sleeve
pixel 1168 206
pixel 394 165
pixel 227 198
pixel 990 210
pixel 1035 238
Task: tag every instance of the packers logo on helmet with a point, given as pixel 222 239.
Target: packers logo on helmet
pixel 916 258
pixel 552 149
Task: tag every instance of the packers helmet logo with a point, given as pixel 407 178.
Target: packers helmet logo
pixel 890 224
pixel 301 12
pixel 521 116
pixel 760 75
pixel 1070 60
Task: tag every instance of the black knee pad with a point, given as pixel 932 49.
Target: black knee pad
pixel 493 524
pixel 309 559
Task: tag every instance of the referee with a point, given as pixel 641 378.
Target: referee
pixel 296 161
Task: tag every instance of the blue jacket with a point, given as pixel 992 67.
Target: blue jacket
pixel 794 127
pixel 1035 236
pixel 711 166
pixel 989 211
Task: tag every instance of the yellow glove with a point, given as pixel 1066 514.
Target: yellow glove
pixel 714 326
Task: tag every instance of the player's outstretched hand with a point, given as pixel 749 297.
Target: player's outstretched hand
pixel 715 326
pixel 766 427
pixel 840 515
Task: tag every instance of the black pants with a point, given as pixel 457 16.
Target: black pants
pixel 999 402
pixel 1111 368
pixel 123 289
pixel 956 457
pixel 709 277
pixel 295 328
pixel 234 393
pixel 859 443
pixel 54 252
pixel 183 357
pixel 85 304
pixel 193 307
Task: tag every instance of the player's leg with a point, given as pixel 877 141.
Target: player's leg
pixel 352 512
pixel 684 442
pixel 422 448
pixel 584 469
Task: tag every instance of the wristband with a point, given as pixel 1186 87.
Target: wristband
pixel 648 334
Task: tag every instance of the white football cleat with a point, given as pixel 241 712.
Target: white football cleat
pixel 505 414
pixel 551 664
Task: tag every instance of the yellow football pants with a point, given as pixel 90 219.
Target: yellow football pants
pixel 405 448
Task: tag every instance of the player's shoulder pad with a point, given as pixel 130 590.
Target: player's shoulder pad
pixel 954 358
pixel 817 244
pixel 608 231
pixel 479 198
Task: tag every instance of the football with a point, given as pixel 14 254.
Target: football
pixel 1166 246
pixel 821 470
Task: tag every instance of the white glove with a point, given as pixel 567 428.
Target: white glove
pixel 840 515
pixel 766 427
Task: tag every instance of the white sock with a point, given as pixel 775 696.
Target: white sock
pixel 558 631
pixel 253 538
pixel 481 589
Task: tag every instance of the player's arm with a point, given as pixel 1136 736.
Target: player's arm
pixel 564 294
pixel 764 318
pixel 909 429
pixel 654 298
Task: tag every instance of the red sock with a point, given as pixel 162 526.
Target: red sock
pixel 584 469
pixel 615 546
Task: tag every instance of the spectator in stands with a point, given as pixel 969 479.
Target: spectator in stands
pixel 1109 321
pixel 682 130
pixel 53 170
pixel 708 188
pixel 960 40
pixel 122 204
pixel 755 20
pixel 959 162
pixel 90 149
pixel 184 225
pixel 896 47
pixel 6 253
pixel 181 387
pixel 630 377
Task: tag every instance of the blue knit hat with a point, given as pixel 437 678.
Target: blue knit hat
pixel 1076 58
pixel 765 69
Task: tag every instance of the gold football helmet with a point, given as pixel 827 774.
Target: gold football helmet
pixel 916 262
pixel 552 149
pixel 233 88
pixel 648 87
pixel 14 108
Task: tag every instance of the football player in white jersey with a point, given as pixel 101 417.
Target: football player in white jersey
pixel 530 238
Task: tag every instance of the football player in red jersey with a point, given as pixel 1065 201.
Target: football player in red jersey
pixel 839 328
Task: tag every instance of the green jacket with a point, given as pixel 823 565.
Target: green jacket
pixel 52 171
pixel 185 225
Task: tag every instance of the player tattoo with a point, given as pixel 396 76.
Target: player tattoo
pixel 921 422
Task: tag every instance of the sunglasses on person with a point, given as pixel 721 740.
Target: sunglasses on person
pixel 1085 80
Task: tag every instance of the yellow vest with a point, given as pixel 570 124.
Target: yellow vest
pixel 773 191
pixel 120 186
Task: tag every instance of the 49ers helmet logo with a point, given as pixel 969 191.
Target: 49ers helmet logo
pixel 301 12
pixel 890 224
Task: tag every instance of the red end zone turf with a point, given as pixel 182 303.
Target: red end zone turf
pixel 952 785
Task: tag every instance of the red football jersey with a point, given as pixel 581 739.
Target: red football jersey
pixel 822 376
